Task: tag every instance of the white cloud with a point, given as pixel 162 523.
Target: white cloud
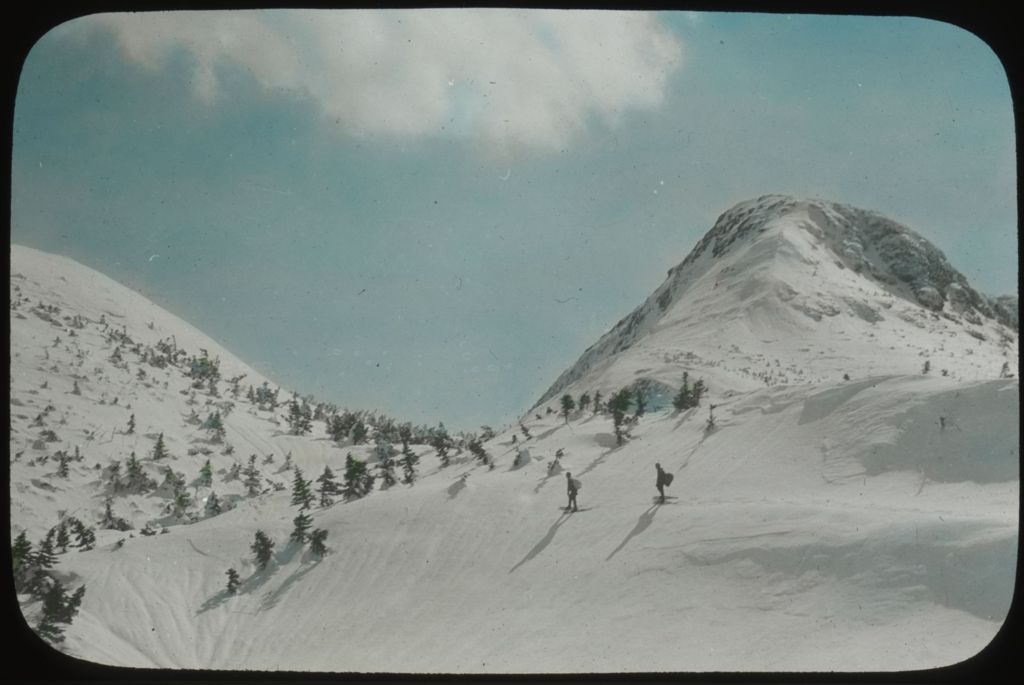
pixel 506 77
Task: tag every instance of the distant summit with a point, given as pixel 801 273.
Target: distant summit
pixel 783 290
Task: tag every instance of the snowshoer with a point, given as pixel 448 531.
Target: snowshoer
pixel 572 487
pixel 663 480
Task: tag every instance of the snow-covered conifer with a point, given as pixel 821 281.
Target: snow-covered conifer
pixel 316 542
pixel 233 581
pixel 328 487
pixel 252 477
pixel 206 474
pixel 302 524
pixel 568 404
pixel 159 449
pixel 262 548
pixel 618 405
pixel 302 495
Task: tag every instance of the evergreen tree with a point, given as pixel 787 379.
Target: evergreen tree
pixel 358 480
pixel 85 538
pixel 584 401
pixel 62 464
pixel 525 430
pixel 405 436
pixel 206 474
pixel 618 405
pixel 182 500
pixel 213 506
pixel 681 400
pixel 477 450
pixel 302 496
pixel 252 477
pixel 21 551
pixel 262 547
pixel 568 404
pixel 159 449
pixel 233 580
pixel 58 609
pixel 597 402
pixel 927 366
pixel 359 432
pixel 316 542
pixel 641 404
pixel 131 425
pixel 138 481
pixel 45 558
pixel 302 524
pixel 409 461
pixel 328 487
pixel 63 538
pixel 299 417
pixel 385 463
pixel 698 391
pixel 214 426
pixel 441 442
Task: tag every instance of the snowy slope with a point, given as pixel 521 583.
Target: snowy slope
pixel 788 291
pixel 822 525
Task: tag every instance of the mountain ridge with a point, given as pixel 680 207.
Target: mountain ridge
pixel 760 247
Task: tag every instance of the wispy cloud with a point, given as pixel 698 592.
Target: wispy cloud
pixel 507 78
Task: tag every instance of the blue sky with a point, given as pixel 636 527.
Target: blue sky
pixel 433 213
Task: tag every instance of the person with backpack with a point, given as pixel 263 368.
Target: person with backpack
pixel 572 486
pixel 663 480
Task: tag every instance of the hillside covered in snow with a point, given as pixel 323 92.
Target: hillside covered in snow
pixel 852 506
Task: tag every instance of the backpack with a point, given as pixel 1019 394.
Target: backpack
pixel 576 484
pixel 668 478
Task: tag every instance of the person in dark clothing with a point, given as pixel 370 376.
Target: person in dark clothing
pixel 572 490
pixel 660 483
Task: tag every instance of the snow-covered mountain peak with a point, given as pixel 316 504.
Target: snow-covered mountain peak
pixel 863 293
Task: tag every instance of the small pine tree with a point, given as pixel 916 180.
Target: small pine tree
pixel 206 474
pixel 21 551
pixel 441 442
pixel 252 477
pixel 213 506
pixel 358 480
pixel 409 461
pixel 302 495
pixel 525 431
pixel 302 524
pixel 75 390
pixel 233 581
pixel 63 538
pixel 159 449
pixel 641 404
pixel 618 405
pixel 45 558
pixel 328 487
pixel 598 407
pixel 568 404
pixel 214 426
pixel 62 464
pixel 316 542
pixel 927 366
pixel 477 450
pixel 682 398
pixel 584 401
pixel 262 548
pixel 131 425
pixel 359 432
pixel 385 464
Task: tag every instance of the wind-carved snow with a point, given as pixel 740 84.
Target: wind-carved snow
pixel 825 524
